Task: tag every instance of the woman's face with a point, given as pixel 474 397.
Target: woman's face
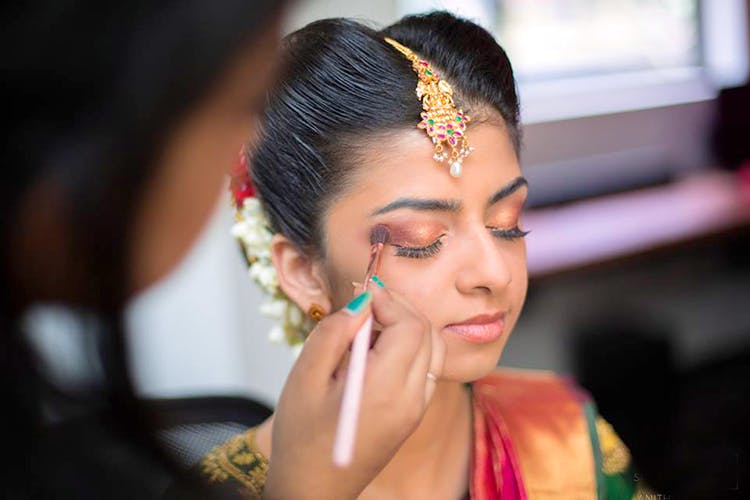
pixel 457 251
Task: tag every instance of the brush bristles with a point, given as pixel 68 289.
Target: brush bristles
pixel 380 234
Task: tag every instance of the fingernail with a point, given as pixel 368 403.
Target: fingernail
pixel 358 303
pixel 378 281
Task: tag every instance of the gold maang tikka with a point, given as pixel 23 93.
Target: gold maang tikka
pixel 444 124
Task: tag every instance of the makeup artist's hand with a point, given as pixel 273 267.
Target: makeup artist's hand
pixel 396 393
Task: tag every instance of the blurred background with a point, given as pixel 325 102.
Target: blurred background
pixel 637 149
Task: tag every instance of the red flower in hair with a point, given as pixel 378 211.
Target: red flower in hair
pixel 240 183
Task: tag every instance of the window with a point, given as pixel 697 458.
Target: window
pixel 576 58
pixel 563 38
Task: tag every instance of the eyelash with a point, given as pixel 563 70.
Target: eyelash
pixel 421 252
pixel 433 248
pixel 508 234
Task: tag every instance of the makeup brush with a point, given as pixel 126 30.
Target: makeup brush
pixel 380 236
pixel 343 445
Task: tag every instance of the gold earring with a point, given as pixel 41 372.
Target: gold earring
pixel 316 312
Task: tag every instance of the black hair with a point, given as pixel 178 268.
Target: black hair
pixel 343 86
pixel 91 92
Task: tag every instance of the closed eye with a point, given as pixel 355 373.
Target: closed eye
pixel 513 233
pixel 420 252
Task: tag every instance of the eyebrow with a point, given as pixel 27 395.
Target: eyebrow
pixel 507 190
pixel 434 205
pixel 426 205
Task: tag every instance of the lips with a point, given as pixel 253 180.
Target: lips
pixel 479 329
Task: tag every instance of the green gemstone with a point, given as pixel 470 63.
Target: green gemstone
pixel 458 118
pixel 450 132
pixel 428 72
pixel 431 122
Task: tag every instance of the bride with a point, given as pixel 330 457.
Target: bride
pixel 415 127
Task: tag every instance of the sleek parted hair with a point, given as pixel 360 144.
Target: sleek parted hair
pixel 344 87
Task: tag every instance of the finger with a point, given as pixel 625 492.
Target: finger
pixel 340 374
pixel 329 342
pixel 390 310
pixel 385 307
pixel 420 365
pixel 404 329
pixel 437 362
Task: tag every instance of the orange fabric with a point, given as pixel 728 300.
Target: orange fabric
pixel 543 415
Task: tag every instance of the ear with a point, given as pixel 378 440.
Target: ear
pixel 300 277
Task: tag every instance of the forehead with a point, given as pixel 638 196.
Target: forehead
pixel 401 165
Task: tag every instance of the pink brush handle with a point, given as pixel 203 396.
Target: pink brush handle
pixel 343 445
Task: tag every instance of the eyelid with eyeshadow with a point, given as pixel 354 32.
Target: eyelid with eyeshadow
pixel 433 248
pixel 415 234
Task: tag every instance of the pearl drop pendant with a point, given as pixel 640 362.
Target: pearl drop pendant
pixel 456 169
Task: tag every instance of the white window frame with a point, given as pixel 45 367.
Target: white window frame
pixel 725 52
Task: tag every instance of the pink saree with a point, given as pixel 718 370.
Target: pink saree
pixel 531 438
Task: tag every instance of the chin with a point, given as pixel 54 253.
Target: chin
pixel 467 362
pixel 465 368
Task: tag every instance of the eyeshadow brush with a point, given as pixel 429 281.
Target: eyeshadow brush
pixel 343 446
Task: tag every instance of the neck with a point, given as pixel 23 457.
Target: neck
pixel 439 447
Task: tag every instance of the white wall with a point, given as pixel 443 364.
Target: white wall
pixel 379 12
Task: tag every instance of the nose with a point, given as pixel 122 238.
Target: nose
pixel 486 266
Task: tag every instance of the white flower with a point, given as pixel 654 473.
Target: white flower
pixel 253 232
pixel 276 335
pixel 275 309
pixel 295 316
pixel 264 274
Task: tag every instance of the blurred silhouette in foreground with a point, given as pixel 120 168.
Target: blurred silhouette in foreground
pixel 120 121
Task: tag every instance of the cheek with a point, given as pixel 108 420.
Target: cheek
pixel 520 282
pixel 181 198
pixel 420 282
pixel 342 291
pixel 344 268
